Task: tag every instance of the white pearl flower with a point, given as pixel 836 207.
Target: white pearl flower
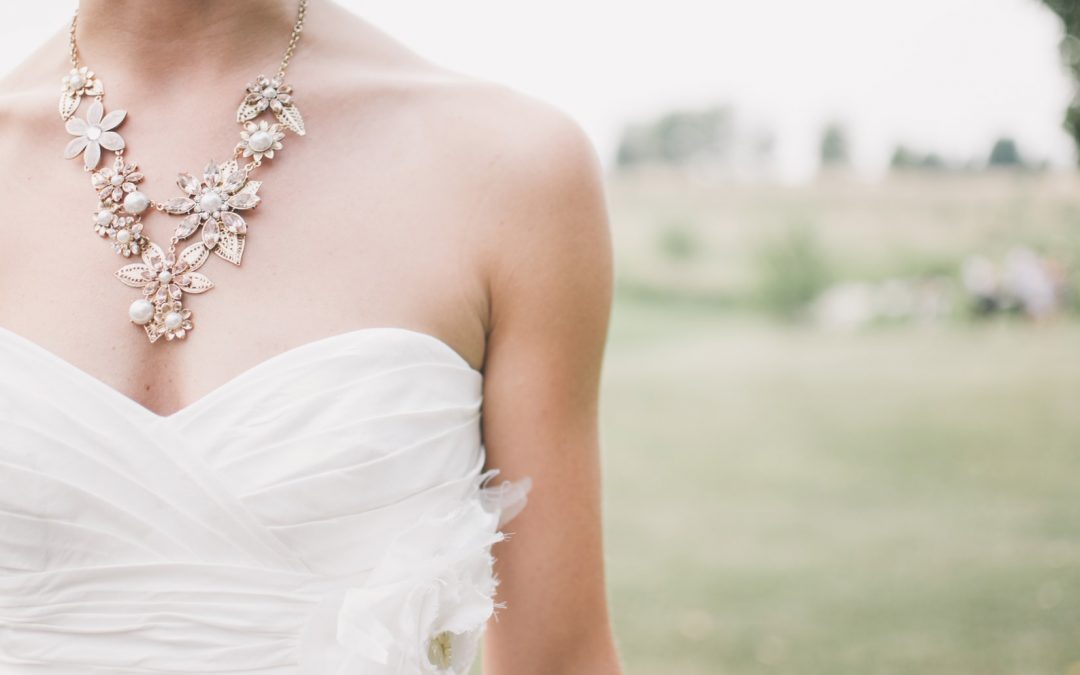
pixel 76 84
pixel 268 92
pixel 81 82
pixel 94 133
pixel 260 139
pixel 116 182
pixel 126 235
pixel 174 321
pixel 273 94
pixel 104 217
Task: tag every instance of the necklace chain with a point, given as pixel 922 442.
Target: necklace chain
pixel 298 28
pixel 294 39
pixel 73 48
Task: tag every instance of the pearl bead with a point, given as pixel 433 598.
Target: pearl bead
pixel 76 81
pixel 269 92
pixel 117 180
pixel 165 276
pixel 123 236
pixel 173 320
pixel 136 202
pixel 260 141
pixel 93 133
pixel 210 202
pixel 141 311
pixel 103 217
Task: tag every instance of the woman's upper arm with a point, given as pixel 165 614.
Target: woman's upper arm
pixel 550 289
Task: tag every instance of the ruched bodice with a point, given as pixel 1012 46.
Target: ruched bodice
pixel 326 511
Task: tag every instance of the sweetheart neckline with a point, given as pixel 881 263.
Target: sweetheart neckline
pixel 248 372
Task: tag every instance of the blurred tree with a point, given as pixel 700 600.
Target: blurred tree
pixel 764 146
pixel 792 271
pixel 634 147
pixel 932 161
pixel 1005 154
pixel 678 241
pixel 834 146
pixel 680 138
pixel 1069 12
pixel 904 158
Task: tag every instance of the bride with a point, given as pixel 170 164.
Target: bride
pixel 240 399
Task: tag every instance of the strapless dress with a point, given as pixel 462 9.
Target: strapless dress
pixel 325 512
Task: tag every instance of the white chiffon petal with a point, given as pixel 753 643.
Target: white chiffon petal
pixel 110 140
pixel 76 126
pixel 92 155
pixel 75 146
pixel 113 119
pixel 93 114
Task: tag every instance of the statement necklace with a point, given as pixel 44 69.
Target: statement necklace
pixel 209 206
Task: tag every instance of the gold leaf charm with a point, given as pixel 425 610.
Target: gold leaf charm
pixel 246 112
pixel 135 275
pixel 290 118
pixel 197 283
pixel 230 246
pixel 195 256
pixel 69 103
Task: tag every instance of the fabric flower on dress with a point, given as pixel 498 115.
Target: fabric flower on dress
pixel 73 86
pixel 260 140
pixel 424 607
pixel 422 611
pixel 213 204
pixel 93 134
pixel 113 183
pixel 272 93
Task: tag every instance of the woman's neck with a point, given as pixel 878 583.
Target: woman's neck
pixel 178 38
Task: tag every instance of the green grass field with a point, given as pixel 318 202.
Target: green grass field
pixel 900 499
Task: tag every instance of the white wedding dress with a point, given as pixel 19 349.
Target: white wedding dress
pixel 325 512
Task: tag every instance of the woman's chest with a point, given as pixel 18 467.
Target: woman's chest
pixel 327 245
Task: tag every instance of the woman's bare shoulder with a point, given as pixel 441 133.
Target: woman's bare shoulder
pixel 542 218
pixel 521 158
pixel 529 166
pixel 482 127
pixel 30 92
pixel 41 68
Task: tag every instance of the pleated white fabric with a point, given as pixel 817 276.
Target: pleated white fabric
pixel 325 512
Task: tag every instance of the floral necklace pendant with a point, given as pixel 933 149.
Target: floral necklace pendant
pixel 212 208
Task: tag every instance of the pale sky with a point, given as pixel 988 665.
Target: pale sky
pixel 943 75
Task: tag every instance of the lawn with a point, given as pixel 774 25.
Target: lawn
pixel 894 500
